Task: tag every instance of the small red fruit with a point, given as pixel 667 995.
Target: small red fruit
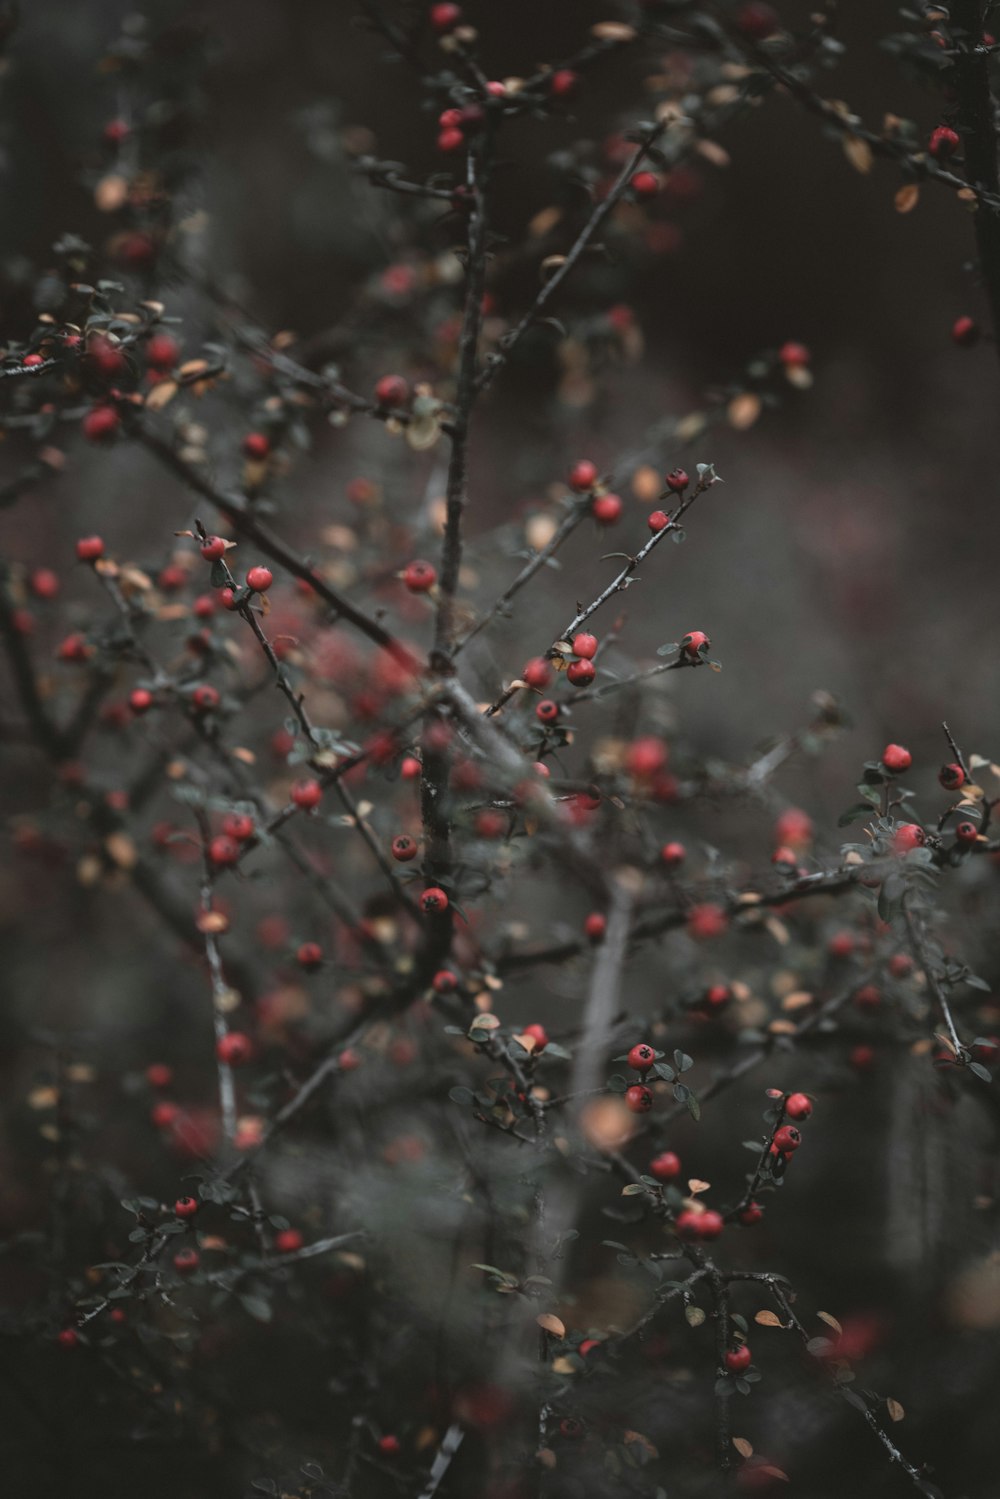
pixel 547 711
pixel 595 926
pixel 164 1114
pixel 645 185
pixel 186 1261
pixel 288 1240
pixel 204 698
pixel 693 642
pixel 738 1359
pixel 583 475
pixel 798 1106
pixel 677 480
pixel 419 576
pixel 952 777
pixel 666 1166
pixel 100 424
pixel 444 982
pixel 862 1057
pixel 646 757
pixel 68 1337
pixel 256 446
pixel 944 142
pixel 868 997
pixel 89 548
pixel 234 1048
pixel 585 646
pixel 140 700
pixel 687 1224
pixel 751 1214
pixel 404 848
pixel 966 832
pixel 706 921
pixel 787 1139
pixel 794 356
pixel 966 332
pixel 537 673
pixel 641 1057
pixel 259 579
pixel 638 1099
pixel 433 901
pixel 562 82
pixel 538 1034
pixel 450 140
pixel 581 672
pixel 309 956
pixel 657 521
pixel 907 836
pixel 306 795
pixel 159 1075
pixel 185 1207
pixel 710 1224
pixel 238 825
pixel 673 854
pixel 444 17
pixel 717 997
pixel 44 583
pixel 392 390
pixel 896 758
pixel 606 509
pixel 162 352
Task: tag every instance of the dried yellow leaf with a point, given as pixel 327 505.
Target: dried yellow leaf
pixel 830 1321
pixel 767 1318
pixel 548 1322
pixel 907 198
pixel 743 1447
pixel 743 411
pixel 896 1411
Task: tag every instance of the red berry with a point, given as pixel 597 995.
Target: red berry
pixel 204 698
pixel 140 700
pixel 450 119
pixel 392 390
pixel 389 1444
pixel 570 1428
pixel 419 576
pixel 74 648
pixel 687 1224
pixel 259 579
pixel 562 82
pixel 450 140
pixel 787 1139
pixel 31 361
pixel 410 769
pixel 907 836
pixel 288 1240
pixel 646 757
pixel 966 332
pixel 185 1207
pixel 213 548
pixel 693 642
pixel 751 1214
pixel 444 982
pixel 162 352
pixel 238 825
pixel 900 965
pixel 710 1224
pixel 186 1261
pixel 896 758
pixel 116 131
pixel 547 711
pixel 159 1075
pixel 309 956
pixel 706 921
pixel 798 1106
pixel 638 1099
pixel 44 583
pixel 585 646
pixel 537 672
pixel 256 446
pixel 164 1114
pixel 862 1057
pixel 404 848
pixel 538 1034
pixel 673 854
pixel 583 475
pixel 966 832
pixel 657 521
pixel 717 997
pixel 645 185
pixel 666 1166
pixel 943 142
pixel 793 827
pixel 606 509
pixel 641 1057
pixel 868 997
pixel 89 548
pixel 433 900
pixel 223 852
pixel 581 672
pixel 306 795
pixel 677 480
pixel 738 1359
pixel 794 355
pixel 595 926
pixel 68 1337
pixel 952 777
pixel 444 17
pixel 234 1048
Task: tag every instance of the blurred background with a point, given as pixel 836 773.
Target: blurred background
pixel 850 549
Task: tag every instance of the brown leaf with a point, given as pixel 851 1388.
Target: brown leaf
pixel 613 31
pixel 743 410
pixel 907 197
pixel 743 1447
pixel 768 1319
pixel 694 1315
pixel 121 850
pixel 830 1321
pixel 896 1411
pixel 548 1322
pixel 694 1185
